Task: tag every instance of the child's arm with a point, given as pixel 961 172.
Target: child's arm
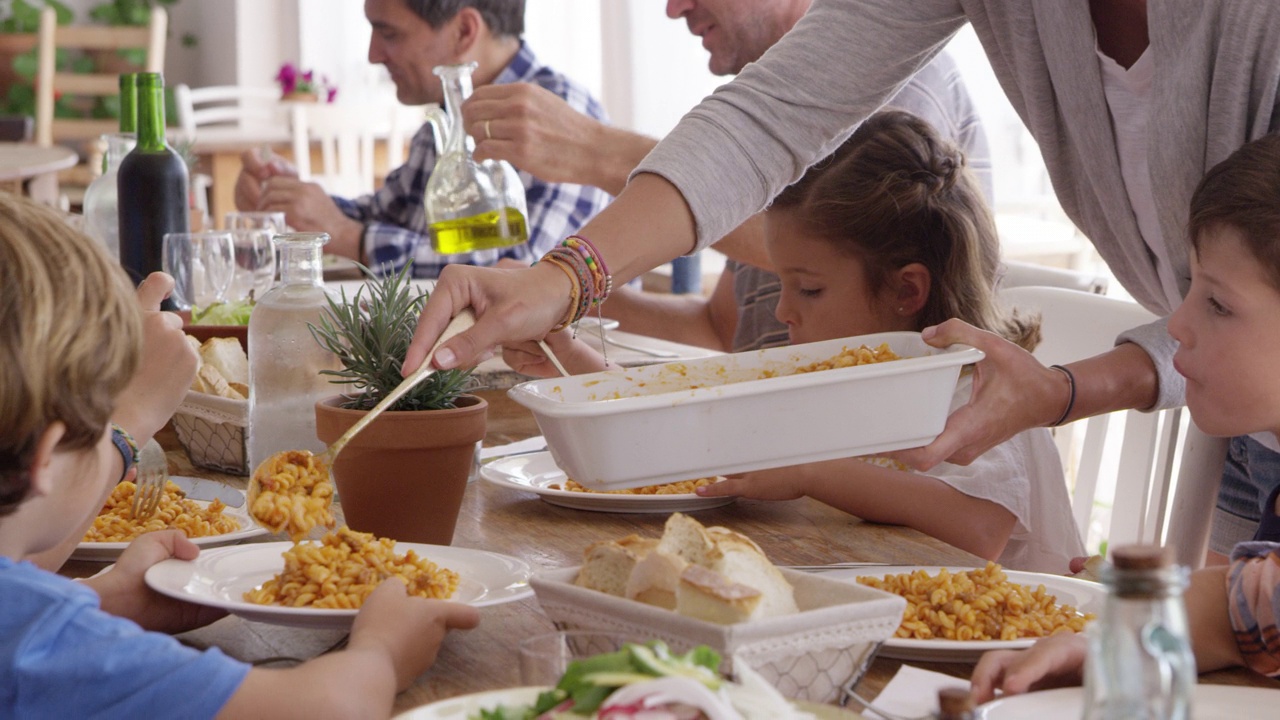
pixel 886 496
pixel 577 357
pixel 394 640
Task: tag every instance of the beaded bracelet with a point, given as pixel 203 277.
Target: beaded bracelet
pixel 582 275
pixel 595 262
pixel 574 293
pixel 1071 395
pixel 127 446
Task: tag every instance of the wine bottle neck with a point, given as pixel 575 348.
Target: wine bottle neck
pixel 151 117
pixel 128 103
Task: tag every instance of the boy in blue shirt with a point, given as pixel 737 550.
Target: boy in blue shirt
pixel 69 345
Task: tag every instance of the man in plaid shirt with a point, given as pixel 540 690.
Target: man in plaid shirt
pixel 387 229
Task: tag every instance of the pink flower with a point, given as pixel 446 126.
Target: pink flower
pixel 294 80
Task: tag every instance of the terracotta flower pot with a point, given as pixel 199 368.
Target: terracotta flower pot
pixel 403 477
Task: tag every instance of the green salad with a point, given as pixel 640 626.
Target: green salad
pixel 588 682
pixel 227 313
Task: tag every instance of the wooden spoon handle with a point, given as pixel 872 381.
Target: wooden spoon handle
pixel 460 322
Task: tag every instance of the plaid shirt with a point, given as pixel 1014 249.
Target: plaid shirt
pixel 395 225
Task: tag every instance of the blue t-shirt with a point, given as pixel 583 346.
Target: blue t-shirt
pixel 61 656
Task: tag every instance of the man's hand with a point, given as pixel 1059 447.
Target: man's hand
pixel 254 171
pixel 532 128
pixel 307 207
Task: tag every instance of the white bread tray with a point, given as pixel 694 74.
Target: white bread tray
pixel 811 655
pixel 715 416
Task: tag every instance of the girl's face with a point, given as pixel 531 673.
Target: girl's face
pixel 1228 330
pixel 824 292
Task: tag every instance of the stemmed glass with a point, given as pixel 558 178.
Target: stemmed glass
pixel 202 265
pixel 255 255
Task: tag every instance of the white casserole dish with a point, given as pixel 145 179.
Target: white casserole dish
pixel 714 416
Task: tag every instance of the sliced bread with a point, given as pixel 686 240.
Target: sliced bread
pixel 707 595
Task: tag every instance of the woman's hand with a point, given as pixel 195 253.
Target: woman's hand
pixel 778 484
pixel 125 594
pixel 1054 661
pixel 1012 392
pixel 510 306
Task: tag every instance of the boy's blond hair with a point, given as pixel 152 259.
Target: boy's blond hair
pixel 70 337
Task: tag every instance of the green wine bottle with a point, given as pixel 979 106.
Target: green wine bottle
pixel 129 103
pixel 152 186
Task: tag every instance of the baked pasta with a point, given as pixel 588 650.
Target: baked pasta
pixel 341 569
pixel 683 487
pixel 849 357
pixel 295 494
pixel 115 521
pixel 976 605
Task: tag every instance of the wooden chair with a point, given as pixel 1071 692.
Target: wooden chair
pixel 52 82
pixel 1166 470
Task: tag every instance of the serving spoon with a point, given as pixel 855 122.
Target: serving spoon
pixel 462 321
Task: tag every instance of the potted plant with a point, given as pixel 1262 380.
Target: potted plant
pixel 404 476
pixel 298 85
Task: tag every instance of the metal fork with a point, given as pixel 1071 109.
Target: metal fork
pixel 153 475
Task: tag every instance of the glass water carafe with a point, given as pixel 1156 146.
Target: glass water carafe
pixel 470 205
pixel 101 208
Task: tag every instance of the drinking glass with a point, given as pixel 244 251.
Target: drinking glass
pixel 255 255
pixel 544 658
pixel 202 265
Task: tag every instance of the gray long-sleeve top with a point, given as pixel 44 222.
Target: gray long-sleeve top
pixel 1217 70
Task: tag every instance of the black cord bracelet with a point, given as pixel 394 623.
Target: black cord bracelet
pixel 1071 397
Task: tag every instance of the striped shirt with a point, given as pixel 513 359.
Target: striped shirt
pixel 395 225
pixel 1253 603
pixel 936 94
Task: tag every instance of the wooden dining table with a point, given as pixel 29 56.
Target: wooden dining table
pixel 519 524
pixel 28 168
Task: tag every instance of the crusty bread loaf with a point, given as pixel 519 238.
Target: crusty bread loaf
pixel 654 579
pixel 228 357
pixel 742 561
pixel 687 538
pixel 607 565
pixel 707 595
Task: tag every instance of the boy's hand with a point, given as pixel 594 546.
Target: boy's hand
pixel 1052 662
pixel 125 594
pixel 527 358
pixel 165 369
pixel 780 484
pixel 407 629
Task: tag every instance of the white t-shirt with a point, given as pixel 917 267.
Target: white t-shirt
pixel 1024 476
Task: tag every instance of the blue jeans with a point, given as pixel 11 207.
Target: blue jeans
pixel 1251 473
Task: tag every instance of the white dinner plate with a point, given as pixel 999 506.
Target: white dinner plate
pixel 220 578
pixel 591 323
pixel 537 472
pixel 465 707
pixel 249 528
pixel 1085 596
pixel 1210 702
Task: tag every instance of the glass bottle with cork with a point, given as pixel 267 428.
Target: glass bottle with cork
pixel 152 186
pixel 1140 665
pixel 285 361
pixel 101 208
pixel 469 205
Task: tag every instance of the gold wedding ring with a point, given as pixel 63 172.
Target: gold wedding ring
pixel 487 134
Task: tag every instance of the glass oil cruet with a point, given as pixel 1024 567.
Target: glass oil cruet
pixel 1140 665
pixel 470 205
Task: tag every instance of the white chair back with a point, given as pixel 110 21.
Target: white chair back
pixel 1166 470
pixel 346 147
pixel 1018 273
pixel 227 106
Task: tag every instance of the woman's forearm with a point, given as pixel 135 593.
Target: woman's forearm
pixel 647 225
pixel 1122 379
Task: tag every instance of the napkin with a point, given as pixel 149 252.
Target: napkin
pixel 533 444
pixel 913 692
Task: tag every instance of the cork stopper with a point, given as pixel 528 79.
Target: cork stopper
pixel 1141 557
pixel 954 702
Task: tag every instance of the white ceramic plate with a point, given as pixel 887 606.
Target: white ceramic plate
pixel 465 707
pixel 220 578
pixel 1211 702
pixel 249 528
pixel 1085 596
pixel 537 472
pixel 591 323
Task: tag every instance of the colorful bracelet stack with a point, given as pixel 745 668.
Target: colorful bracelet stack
pixel 127 447
pixel 588 276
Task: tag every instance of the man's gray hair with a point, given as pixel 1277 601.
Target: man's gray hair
pixel 504 17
